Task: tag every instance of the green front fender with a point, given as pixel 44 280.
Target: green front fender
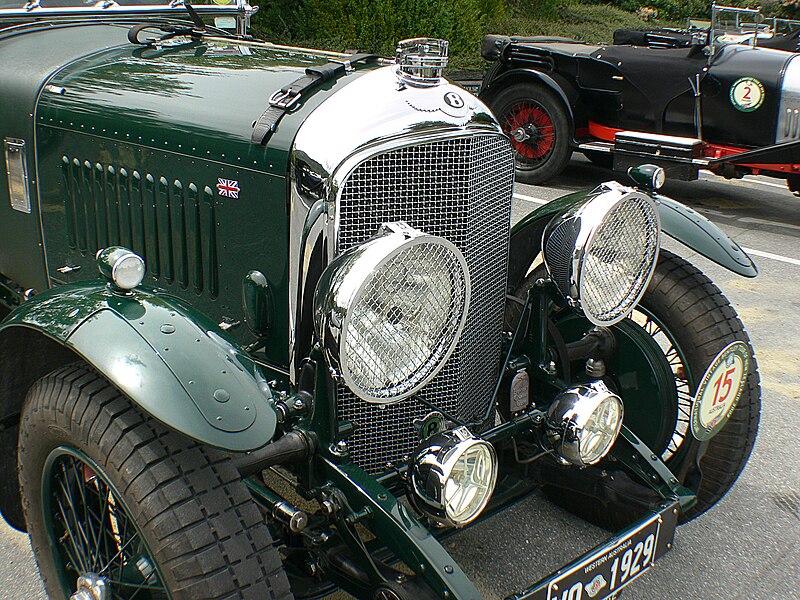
pixel 169 360
pixel 677 221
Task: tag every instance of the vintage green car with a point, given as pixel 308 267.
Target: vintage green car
pixel 268 330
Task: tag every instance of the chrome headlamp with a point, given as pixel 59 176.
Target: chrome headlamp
pixel 602 253
pixel 452 476
pixel 421 61
pixel 586 420
pixel 390 311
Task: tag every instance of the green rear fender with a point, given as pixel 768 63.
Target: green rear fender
pixel 677 221
pixel 169 360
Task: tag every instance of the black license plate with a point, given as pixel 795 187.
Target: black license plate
pixel 614 566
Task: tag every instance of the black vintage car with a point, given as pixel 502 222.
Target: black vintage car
pixel 267 330
pixel 685 101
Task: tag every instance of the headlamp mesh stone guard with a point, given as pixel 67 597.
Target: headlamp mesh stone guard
pixel 405 321
pixel 459 189
pixel 602 254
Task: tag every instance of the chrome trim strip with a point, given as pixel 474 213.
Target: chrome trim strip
pixel 788 129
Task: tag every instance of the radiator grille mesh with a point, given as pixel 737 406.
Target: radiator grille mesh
pixel 459 189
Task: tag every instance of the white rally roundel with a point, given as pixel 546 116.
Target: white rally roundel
pixel 720 390
pixel 747 94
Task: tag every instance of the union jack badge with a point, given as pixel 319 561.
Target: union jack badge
pixel 228 187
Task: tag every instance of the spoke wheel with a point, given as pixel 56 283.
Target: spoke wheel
pixel 531 131
pixel 120 507
pixel 96 539
pixel 682 322
pixel 685 384
pixel 535 119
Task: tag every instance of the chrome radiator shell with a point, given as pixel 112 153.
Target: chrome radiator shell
pixel 377 152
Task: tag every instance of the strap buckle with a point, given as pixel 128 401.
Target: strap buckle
pixel 284 99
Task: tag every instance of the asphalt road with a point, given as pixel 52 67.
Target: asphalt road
pixel 746 547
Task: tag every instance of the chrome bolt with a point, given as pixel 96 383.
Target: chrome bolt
pixel 299 404
pixel 90 587
pixel 329 508
pixel 312 568
pixel 298 521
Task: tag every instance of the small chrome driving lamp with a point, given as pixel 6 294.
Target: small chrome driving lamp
pixel 452 476
pixel 585 421
pixel 123 268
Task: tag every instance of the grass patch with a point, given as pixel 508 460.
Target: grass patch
pixel 376 25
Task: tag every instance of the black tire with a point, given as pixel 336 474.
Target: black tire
pixel 703 322
pixel 700 322
pixel 535 119
pixel 197 525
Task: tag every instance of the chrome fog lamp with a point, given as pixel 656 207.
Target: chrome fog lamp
pixel 122 267
pixel 390 311
pixel 452 476
pixel 586 421
pixel 421 61
pixel 602 253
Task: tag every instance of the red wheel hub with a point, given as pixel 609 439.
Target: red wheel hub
pixel 531 130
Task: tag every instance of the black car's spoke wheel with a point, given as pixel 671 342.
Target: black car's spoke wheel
pixel 119 507
pixel 536 121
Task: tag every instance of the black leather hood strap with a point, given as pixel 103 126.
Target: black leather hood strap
pixel 285 99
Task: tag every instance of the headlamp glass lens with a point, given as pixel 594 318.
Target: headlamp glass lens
pixel 619 260
pixel 405 320
pixel 470 484
pixel 601 430
pixel 128 272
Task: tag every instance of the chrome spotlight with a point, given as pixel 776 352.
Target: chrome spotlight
pixel 421 61
pixel 602 253
pixel 586 420
pixel 452 476
pixel 390 311
pixel 122 267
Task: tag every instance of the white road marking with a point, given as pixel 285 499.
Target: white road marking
pixel 719 178
pixel 758 221
pixel 786 259
pixel 761 253
pixel 530 199
pixel 775 185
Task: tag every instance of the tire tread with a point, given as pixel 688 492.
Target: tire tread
pixel 187 498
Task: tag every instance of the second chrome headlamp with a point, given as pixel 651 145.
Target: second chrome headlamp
pixel 602 253
pixel 390 311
